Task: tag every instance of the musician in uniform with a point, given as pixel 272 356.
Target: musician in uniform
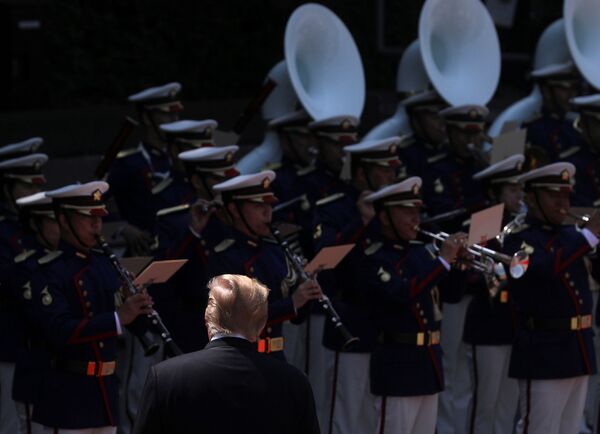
pixel 552 353
pixel 404 282
pixel 551 133
pixel 448 185
pixel 74 297
pixel 140 178
pixel 190 232
pixel 586 155
pixel 489 325
pixel 425 145
pixel 344 219
pixel 251 251
pixel 41 235
pixel 19 177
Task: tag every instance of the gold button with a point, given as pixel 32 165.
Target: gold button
pixel 567 275
pixel 421 312
pixel 90 314
pixel 576 292
pixel 203 242
pixel 580 301
pixel 425 321
pixel 269 329
pixel 88 304
pixel 85 293
pixel 418 305
pixel 572 283
pixel 101 344
pixel 252 269
pixel 80 283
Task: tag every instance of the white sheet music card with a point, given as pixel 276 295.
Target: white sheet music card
pixel 486 224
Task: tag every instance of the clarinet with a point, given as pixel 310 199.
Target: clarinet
pixel 324 301
pixel 145 338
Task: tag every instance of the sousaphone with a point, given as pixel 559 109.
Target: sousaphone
pixel 582 18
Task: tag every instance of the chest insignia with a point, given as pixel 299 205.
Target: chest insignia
pixel 27 291
pixel 527 248
pixel 384 276
pixel 46 297
pixel 438 187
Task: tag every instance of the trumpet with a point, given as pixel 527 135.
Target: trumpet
pixel 517 263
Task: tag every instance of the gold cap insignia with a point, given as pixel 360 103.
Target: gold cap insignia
pixel 520 166
pixel 473 114
pixel 416 189
pixel 346 124
pixel 393 149
pixel 208 131
pixel 36 166
pixel 97 195
pixel 229 157
pixel 265 183
pixel 565 175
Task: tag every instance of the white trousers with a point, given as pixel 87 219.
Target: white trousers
pixel 455 400
pixel 26 425
pixel 551 406
pixel 9 417
pixel 496 395
pixel 101 430
pixel 353 409
pixel 406 415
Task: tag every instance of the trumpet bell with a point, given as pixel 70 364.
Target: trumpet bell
pixel 582 31
pixel 324 63
pixel 460 50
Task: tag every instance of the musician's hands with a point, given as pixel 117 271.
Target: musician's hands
pixel 594 224
pixel 200 213
pixel 366 210
pixel 308 290
pixel 134 305
pixel 138 241
pixel 452 245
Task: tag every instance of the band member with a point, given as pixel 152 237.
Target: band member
pixel 552 354
pixel 425 145
pixel 73 298
pixel 448 185
pixel 247 199
pixel 41 235
pixel 586 156
pixel 19 177
pixel 140 178
pixel 343 220
pixel 489 325
pixel 551 133
pixel 404 282
pixel 190 232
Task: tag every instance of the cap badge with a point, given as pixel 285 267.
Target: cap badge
pixel 346 124
pixel 97 195
pixel 565 175
pixel 208 131
pixel 266 183
pixel 229 158
pixel 520 166
pixel 393 149
pixel 416 189
pixel 36 166
pixel 473 114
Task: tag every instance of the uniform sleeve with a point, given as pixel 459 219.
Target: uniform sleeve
pixel 148 418
pixel 281 310
pixel 60 325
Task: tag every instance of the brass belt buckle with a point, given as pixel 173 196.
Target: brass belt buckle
pixel 276 344
pixel 420 339
pixel 575 323
pixel 106 368
pixel 434 337
pixel 586 321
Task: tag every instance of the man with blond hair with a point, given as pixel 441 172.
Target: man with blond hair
pixel 228 387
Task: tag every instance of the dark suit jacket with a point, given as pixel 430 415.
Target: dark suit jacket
pixel 227 388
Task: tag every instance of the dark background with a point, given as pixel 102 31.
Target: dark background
pixel 67 66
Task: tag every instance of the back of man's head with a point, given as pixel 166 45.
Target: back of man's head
pixel 236 305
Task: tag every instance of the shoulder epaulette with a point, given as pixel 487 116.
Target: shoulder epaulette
pixel 127 152
pixel 567 153
pixel 306 170
pixel 436 158
pixel 272 166
pixel 329 199
pixel 51 256
pixel 224 245
pixel 162 185
pixel 373 248
pixel 24 255
pixel 519 229
pixel 406 141
pixel 415 242
pixel 172 209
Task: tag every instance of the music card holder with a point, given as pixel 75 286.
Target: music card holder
pixel 328 258
pixel 507 144
pixel 158 272
pixel 486 224
pixel 135 264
